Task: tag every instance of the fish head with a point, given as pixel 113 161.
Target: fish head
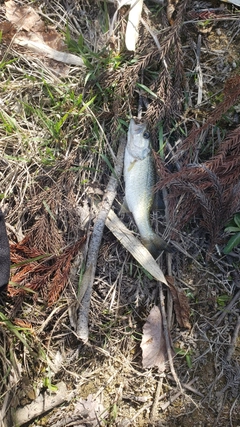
pixel 138 143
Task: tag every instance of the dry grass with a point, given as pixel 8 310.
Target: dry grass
pixel 58 135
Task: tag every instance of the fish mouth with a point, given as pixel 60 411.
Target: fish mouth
pixel 136 128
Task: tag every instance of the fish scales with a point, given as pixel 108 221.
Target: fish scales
pixel 139 177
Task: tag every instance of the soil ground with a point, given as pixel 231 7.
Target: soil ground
pixel 59 126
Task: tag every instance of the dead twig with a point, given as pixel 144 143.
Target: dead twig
pixel 233 341
pixel 167 338
pixel 227 309
pixel 42 404
pixel 199 71
pixel 172 399
pixel 231 411
pixel 169 264
pixel 87 282
pixel 153 411
pixel 143 408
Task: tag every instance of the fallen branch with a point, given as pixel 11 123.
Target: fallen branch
pixel 234 339
pixel 42 48
pixel 153 412
pixel 167 338
pixel 172 399
pixel 42 404
pixel 87 282
pixel 226 310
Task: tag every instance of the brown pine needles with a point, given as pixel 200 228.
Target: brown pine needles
pixel 231 94
pixel 40 272
pixel 209 190
pixel 43 258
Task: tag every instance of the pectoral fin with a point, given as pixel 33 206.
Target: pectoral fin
pixel 131 165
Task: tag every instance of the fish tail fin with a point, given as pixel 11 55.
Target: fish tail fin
pixel 155 245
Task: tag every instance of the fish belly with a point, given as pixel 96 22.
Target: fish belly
pixel 139 181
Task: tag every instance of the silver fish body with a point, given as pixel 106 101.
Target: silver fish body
pixel 139 177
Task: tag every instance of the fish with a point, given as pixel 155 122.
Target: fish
pixel 139 177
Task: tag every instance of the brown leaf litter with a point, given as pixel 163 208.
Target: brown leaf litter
pixel 26 28
pixel 153 345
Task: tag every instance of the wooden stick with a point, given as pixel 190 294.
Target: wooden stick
pixel 167 338
pixel 42 404
pixel 153 412
pixel 172 399
pixel 87 282
pixel 233 341
pixel 226 310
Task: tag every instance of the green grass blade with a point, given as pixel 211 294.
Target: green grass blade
pixel 232 243
pixel 146 89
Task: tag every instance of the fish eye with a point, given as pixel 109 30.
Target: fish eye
pixel 146 135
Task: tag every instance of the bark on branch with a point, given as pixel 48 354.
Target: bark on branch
pixel 94 245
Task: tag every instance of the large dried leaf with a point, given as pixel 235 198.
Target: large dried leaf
pixel 181 305
pixel 236 2
pixel 23 17
pixel 134 246
pixel 154 351
pixel 171 10
pixel 32 33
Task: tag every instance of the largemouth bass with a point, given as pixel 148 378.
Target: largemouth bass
pixel 139 177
